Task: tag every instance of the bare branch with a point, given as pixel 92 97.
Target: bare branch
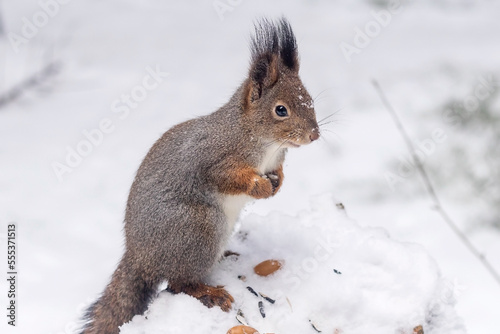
pixel 35 80
pixel 430 189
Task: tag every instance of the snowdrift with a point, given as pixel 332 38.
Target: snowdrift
pixel 337 277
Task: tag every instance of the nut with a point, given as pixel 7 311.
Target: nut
pixel 241 329
pixel 418 330
pixel 268 267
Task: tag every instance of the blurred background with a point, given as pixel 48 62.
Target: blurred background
pixel 86 87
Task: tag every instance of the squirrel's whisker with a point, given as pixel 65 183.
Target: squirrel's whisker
pixel 329 122
pixel 325 118
pixel 317 96
pixel 332 132
pixel 332 114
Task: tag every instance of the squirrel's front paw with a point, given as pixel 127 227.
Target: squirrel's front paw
pixel 262 187
pixel 275 181
pixel 276 178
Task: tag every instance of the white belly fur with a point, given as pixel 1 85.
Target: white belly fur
pixel 233 204
pixel 270 160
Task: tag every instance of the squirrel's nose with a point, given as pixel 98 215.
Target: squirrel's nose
pixel 314 135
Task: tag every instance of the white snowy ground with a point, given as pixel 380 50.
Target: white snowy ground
pixel 336 275
pixel 70 232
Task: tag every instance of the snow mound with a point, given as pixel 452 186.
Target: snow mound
pixel 337 277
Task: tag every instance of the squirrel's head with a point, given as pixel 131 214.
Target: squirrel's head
pixel 274 97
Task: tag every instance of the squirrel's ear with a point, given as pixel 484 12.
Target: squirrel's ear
pixel 264 65
pixel 274 47
pixel 263 74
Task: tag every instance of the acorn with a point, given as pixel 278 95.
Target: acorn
pixel 268 267
pixel 241 329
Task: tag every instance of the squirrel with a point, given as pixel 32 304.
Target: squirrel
pixel 192 184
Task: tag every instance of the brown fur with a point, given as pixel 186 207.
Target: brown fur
pixel 210 296
pixel 246 180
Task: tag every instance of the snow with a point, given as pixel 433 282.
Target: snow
pixel 70 231
pixel 381 286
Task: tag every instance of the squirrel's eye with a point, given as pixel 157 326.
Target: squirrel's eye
pixel 281 111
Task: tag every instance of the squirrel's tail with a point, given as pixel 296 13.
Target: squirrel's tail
pixel 126 295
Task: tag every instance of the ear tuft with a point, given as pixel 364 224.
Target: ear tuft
pixel 265 41
pixel 288 45
pixel 276 39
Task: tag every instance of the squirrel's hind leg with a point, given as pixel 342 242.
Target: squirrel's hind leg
pixel 210 296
